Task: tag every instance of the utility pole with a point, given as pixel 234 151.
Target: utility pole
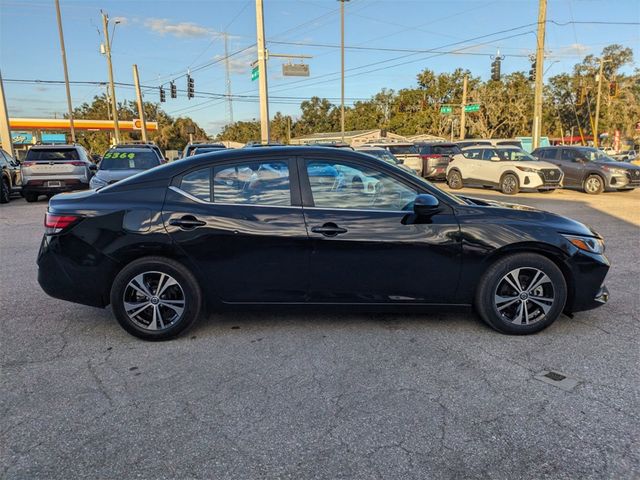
pixel 595 123
pixel 288 130
pixel 262 74
pixel 143 120
pixel 342 68
pixel 537 102
pixel 228 79
pixel 66 73
pixel 5 132
pixel 462 105
pixel 114 105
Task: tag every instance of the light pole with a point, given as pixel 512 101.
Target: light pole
pixel 262 74
pixel 596 140
pixel 107 51
pixel 537 103
pixel 342 68
pixel 66 73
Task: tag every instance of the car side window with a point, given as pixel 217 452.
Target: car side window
pixel 569 155
pixel 351 186
pixel 3 160
pixel 549 153
pixel 488 153
pixel 198 184
pixel 473 153
pixel 252 183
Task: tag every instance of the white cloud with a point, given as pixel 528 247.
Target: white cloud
pixel 241 63
pixel 572 49
pixel 180 29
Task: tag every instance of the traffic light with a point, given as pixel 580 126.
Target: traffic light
pixel 163 98
pixel 174 90
pixel 190 87
pixel 495 69
pixel 532 72
pixel 613 89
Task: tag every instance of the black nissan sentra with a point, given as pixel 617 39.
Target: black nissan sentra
pixel 310 226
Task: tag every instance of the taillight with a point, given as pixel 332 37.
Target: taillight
pixel 28 164
pixel 431 155
pixel 77 164
pixel 57 223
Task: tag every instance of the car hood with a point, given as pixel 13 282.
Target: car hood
pixel 524 213
pixel 535 164
pixel 115 175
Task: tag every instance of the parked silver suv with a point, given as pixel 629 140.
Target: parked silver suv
pixel 51 169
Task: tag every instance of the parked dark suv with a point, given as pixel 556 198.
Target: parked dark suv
pixel 590 169
pixel 10 181
pixel 436 157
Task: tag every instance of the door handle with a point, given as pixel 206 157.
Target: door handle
pixel 187 222
pixel 329 230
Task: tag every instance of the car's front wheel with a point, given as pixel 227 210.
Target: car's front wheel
pixel 593 185
pixel 155 298
pixel 454 180
pixel 509 185
pixel 521 294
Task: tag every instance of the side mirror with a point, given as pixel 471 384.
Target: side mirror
pixel 495 158
pixel 425 205
pixel 93 167
pixel 578 160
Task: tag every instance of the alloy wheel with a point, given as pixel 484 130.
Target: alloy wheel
pixel 509 184
pixel 524 296
pixel 593 184
pixel 154 300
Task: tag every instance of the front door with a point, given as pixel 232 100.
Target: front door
pixel 242 226
pixel 572 166
pixel 367 246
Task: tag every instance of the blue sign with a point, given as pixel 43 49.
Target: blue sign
pixel 21 138
pixel 54 138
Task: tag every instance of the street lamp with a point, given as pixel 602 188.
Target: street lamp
pixel 342 67
pixel 107 52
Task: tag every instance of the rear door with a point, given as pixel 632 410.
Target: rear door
pixel 241 224
pixel 367 247
pixel 472 164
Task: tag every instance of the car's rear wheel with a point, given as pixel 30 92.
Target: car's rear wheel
pixel 509 184
pixel 31 197
pixel 454 180
pixel 593 185
pixel 155 298
pixel 5 191
pixel 521 294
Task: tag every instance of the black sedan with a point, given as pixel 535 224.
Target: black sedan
pixel 282 226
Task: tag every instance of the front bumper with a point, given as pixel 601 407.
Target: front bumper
pixel 588 290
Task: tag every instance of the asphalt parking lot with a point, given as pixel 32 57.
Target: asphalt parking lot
pixel 317 395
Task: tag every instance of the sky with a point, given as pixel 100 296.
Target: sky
pixel 166 39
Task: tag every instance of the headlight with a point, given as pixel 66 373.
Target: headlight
pixel 615 171
pixel 588 244
pixel 527 169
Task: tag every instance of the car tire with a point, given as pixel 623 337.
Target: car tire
pixel 593 185
pixel 509 184
pixel 503 297
pixel 156 298
pixel 454 180
pixel 5 191
pixel 31 197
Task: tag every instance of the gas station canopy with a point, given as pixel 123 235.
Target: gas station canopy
pixel 63 124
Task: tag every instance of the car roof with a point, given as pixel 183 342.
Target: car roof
pixel 369 147
pixel 55 146
pixel 131 149
pixel 440 143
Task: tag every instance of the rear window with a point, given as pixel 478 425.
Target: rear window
pixel 51 154
pixel 446 149
pixel 403 149
pixel 123 160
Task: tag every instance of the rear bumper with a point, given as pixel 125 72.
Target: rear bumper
pixel 65 276
pixel 46 190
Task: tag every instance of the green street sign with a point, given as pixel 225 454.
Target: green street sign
pixel 255 73
pixel 446 110
pixel 473 107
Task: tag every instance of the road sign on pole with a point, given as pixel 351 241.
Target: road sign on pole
pixel 472 107
pixel 255 73
pixel 446 110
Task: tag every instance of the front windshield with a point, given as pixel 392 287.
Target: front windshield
pixel 128 160
pixel 595 155
pixel 515 155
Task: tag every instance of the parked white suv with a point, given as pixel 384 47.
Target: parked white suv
pixel 510 169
